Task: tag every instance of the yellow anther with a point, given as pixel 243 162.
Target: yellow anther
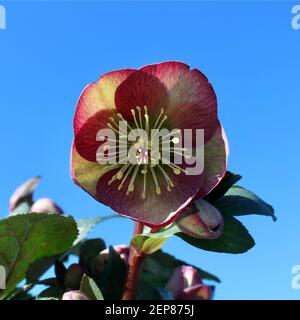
pixel 175 140
pixel 130 189
pixel 176 171
pixel 145 151
pixel 119 175
pixel 111 180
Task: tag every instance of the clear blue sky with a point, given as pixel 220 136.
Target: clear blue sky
pixel 248 50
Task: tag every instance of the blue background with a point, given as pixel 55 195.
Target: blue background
pixel 248 50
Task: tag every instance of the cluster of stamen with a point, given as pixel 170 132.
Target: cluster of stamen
pixel 145 164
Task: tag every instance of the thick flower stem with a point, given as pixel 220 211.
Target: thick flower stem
pixel 138 228
pixel 135 265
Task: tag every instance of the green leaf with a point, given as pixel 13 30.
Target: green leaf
pixel 147 291
pixel 111 280
pixel 26 238
pixel 19 294
pixel 225 184
pixel 239 201
pixel 147 245
pixel 39 267
pixel 47 282
pixel 89 287
pixel 52 293
pixel 166 232
pixel 89 250
pixel 85 225
pixel 234 239
pixel 60 272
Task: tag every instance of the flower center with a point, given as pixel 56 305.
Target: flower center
pixel 146 153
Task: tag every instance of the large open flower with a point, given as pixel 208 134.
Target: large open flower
pixel 166 96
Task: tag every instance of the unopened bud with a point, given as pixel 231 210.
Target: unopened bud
pixel 198 292
pixel 74 295
pixel 201 220
pixel 102 258
pixel 186 284
pixel 23 193
pixel 45 205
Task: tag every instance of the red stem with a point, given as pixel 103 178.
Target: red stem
pixel 135 265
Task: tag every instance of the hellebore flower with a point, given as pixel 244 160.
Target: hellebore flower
pixel 201 220
pixel 74 295
pixel 186 284
pixel 45 205
pixel 169 98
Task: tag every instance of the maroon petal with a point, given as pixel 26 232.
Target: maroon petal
pixel 141 89
pixel 99 96
pixel 155 210
pixel 192 103
pixel 215 162
pixel 86 174
pixel 86 138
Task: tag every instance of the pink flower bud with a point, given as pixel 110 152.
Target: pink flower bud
pixel 201 220
pixel 23 193
pixel 74 295
pixel 102 258
pixel 45 205
pixel 186 284
pixel 123 250
pixel 198 292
